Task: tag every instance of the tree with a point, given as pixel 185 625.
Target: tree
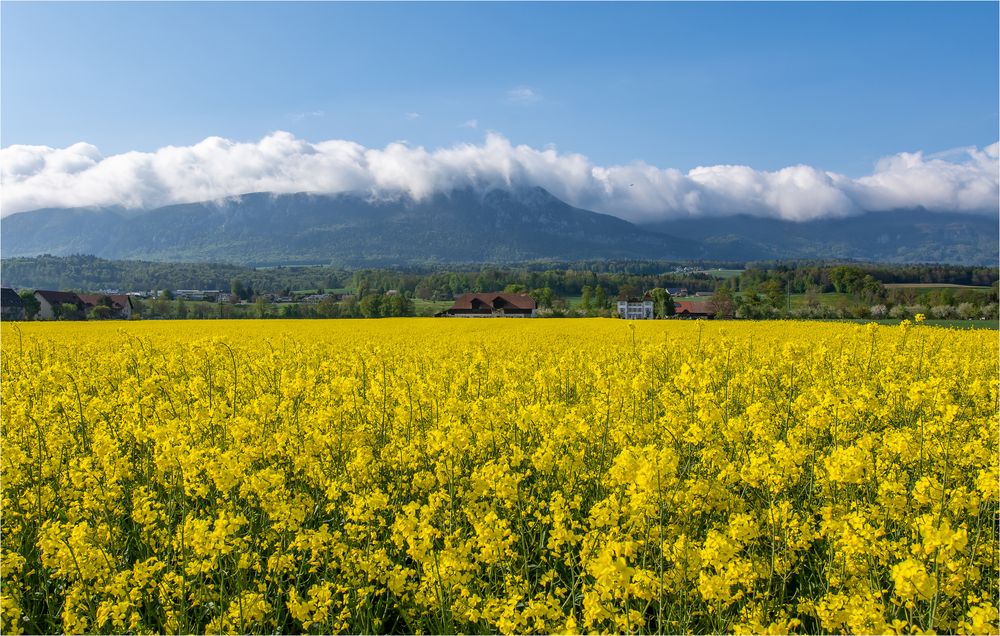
pixel 100 312
pixel 398 305
pixel 659 295
pixel 181 309
pixel 138 308
pixel 663 304
pixel 166 294
pixel 68 311
pixel 201 311
pixel 722 304
pixel 544 297
pixel 967 311
pixel 349 307
pixel 587 299
pixel 260 306
pixel 628 290
pixel 370 306
pixel 328 308
pixel 873 290
pixel 774 293
pixel 600 298
pixel 812 297
pixel 160 308
pixel 236 288
pixel 31 304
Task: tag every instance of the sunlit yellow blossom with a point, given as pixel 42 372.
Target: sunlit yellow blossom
pixel 545 476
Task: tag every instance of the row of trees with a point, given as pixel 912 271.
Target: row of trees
pixel 759 306
pixel 368 306
pixel 90 272
pixel 445 282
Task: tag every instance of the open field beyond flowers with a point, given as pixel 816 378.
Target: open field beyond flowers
pixel 421 475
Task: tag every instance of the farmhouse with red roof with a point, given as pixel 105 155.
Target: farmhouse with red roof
pixel 492 305
pixel 688 309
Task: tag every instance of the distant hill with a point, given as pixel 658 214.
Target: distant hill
pixel 904 236
pixel 469 226
pixel 462 226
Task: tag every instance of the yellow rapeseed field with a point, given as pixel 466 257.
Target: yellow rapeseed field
pixel 422 475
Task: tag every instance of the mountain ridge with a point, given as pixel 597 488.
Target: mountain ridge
pixel 466 225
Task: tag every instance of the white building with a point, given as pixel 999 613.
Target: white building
pixel 636 308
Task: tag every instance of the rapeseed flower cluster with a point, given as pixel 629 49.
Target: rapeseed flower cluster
pixel 498 476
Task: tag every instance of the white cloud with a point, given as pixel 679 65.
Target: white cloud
pixel 472 123
pixel 412 116
pixel 523 95
pixel 39 176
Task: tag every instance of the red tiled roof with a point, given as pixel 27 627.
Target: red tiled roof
pixel 681 306
pixel 513 301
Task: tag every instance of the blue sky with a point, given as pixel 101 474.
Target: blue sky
pixel 794 110
pixel 835 86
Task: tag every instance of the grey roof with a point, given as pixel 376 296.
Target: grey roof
pixel 9 298
pixel 59 297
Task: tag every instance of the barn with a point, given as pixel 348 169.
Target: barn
pixel 492 305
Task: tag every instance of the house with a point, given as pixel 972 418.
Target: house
pixel 50 303
pixel 492 305
pixel 318 298
pixel 11 305
pixel 677 291
pixel 120 305
pixel 689 309
pixel 632 308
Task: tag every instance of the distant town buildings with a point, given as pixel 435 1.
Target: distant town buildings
pixel 318 298
pixel 210 295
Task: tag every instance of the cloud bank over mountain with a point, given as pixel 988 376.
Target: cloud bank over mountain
pixel 31 177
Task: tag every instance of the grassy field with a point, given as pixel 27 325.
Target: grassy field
pixel 831 299
pixel 331 290
pixel 430 307
pixel 951 324
pixel 721 273
pixel 934 286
